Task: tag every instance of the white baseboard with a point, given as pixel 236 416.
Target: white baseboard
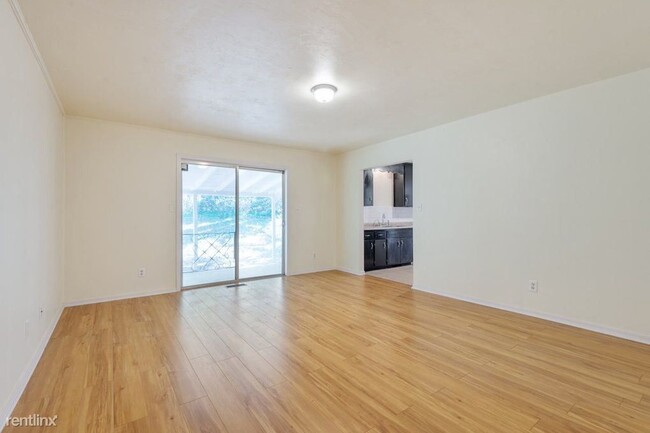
pixel 117 297
pixel 350 271
pixel 546 316
pixel 325 269
pixel 23 380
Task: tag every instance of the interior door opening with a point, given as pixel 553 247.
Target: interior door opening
pixel 232 223
pixel 388 222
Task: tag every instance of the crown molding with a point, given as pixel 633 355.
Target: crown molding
pixel 18 13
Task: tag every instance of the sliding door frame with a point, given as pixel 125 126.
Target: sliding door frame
pixel 198 160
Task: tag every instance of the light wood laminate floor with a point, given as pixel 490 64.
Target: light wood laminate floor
pixel 331 352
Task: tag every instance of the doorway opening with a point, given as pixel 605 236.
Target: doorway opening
pixel 232 223
pixel 388 222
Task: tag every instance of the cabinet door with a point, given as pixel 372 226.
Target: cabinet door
pixel 380 253
pixel 368 255
pixel 408 185
pixel 394 247
pixel 367 187
pixel 407 251
pixel 398 190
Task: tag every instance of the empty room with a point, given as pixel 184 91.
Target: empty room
pixel 309 216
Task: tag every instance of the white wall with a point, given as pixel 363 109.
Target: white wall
pixel 121 200
pixel 555 189
pixel 32 204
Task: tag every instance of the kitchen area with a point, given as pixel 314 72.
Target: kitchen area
pixel 388 222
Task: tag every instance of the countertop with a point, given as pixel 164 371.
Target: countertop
pixel 390 227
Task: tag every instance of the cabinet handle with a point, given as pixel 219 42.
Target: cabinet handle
pixel 406 200
pixel 372 246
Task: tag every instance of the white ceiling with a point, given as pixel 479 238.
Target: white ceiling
pixel 243 68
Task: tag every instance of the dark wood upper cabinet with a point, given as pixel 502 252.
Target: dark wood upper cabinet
pixel 408 185
pixel 398 190
pixel 403 186
pixel 367 187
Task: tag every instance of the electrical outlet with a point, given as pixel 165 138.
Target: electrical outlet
pixel 141 272
pixel 533 286
pixel 314 255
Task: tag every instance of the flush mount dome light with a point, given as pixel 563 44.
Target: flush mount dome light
pixel 323 92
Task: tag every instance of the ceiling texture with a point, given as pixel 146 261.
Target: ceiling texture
pixel 243 68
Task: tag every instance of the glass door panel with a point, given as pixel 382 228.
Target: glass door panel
pixel 209 224
pixel 261 223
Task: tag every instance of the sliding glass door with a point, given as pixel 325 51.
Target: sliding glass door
pixel 232 224
pixel 209 224
pixel 261 216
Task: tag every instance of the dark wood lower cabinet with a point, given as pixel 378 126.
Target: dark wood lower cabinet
pixel 394 247
pixel 381 249
pixel 368 254
pixel 407 251
pixel 386 248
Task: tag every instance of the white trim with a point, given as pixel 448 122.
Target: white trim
pixel 325 269
pixel 37 54
pixel 19 388
pixel 179 222
pixel 644 339
pixel 229 162
pixel 118 297
pixel 349 271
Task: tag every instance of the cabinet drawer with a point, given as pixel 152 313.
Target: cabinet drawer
pixel 380 234
pixel 407 233
pixel 368 235
pixel 400 233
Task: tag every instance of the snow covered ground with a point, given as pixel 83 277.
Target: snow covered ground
pixel 209 248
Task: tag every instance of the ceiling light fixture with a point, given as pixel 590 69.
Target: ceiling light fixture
pixel 323 92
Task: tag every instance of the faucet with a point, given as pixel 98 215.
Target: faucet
pixel 384 222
